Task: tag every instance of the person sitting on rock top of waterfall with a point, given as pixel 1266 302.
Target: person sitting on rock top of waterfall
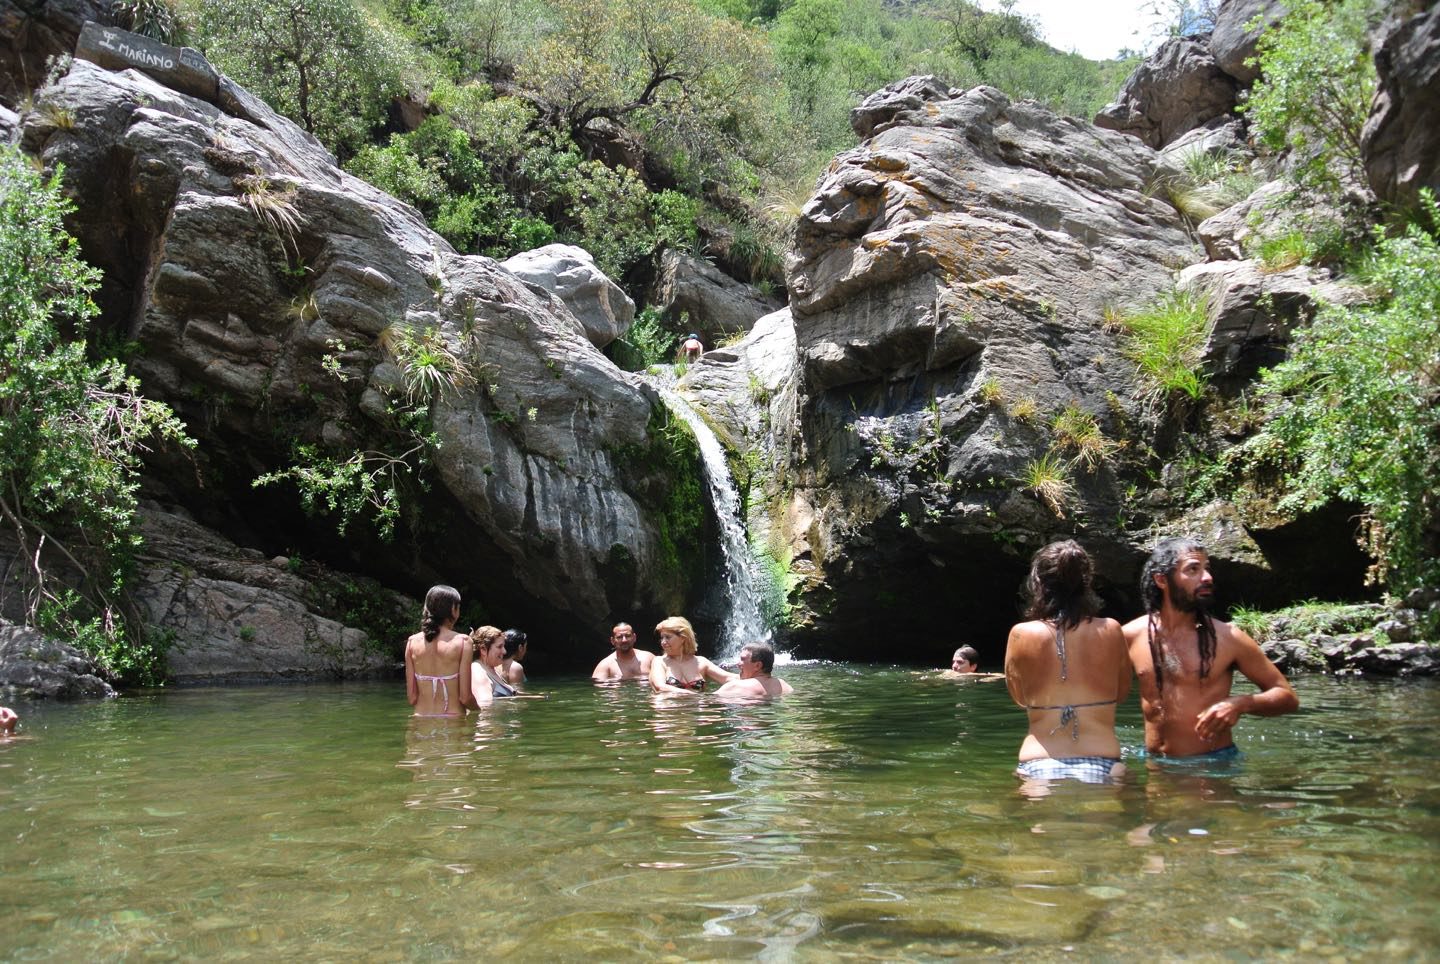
pixel 757 660
pixel 679 669
pixel 437 659
pixel 692 348
pixel 965 663
pixel 510 670
pixel 1068 668
pixel 626 662
pixel 1186 659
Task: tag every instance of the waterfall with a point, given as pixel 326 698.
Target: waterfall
pixel 742 620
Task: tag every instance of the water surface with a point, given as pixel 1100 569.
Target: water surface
pixel 873 816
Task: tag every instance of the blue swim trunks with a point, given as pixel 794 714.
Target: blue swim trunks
pixel 1086 769
pixel 1223 755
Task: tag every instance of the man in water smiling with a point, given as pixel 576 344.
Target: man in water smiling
pixel 1186 659
pixel 755 682
pixel 626 662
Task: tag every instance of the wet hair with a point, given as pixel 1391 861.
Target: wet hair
pixel 514 639
pixel 762 653
pixel 1162 562
pixel 1061 585
pixel 440 603
pixel 681 627
pixel 485 637
pixel 968 653
pixel 614 628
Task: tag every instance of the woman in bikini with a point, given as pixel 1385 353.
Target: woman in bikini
pixel 1068 668
pixel 485 677
pixel 437 659
pixel 511 669
pixel 678 669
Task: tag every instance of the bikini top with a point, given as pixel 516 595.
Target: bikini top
pixel 1068 716
pixel 438 687
pixel 498 687
pixel 697 684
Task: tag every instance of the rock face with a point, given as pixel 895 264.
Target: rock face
pixel 1232 42
pixel 569 273
pixel 714 302
pixel 1178 88
pixel 272 297
pixel 232 615
pixel 1400 143
pixel 31 33
pixel 34 667
pixel 949 284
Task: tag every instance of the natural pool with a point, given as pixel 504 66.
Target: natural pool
pixel 873 817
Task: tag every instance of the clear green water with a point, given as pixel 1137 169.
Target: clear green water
pixel 872 817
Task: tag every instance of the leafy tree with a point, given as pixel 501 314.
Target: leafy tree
pixel 1313 96
pixel 323 63
pixel 1356 407
pixel 665 66
pixel 71 430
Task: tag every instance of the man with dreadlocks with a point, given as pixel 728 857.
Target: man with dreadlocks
pixel 1185 660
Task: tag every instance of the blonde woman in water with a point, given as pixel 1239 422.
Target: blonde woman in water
pixel 678 669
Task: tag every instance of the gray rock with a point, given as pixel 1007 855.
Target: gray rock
pixel 1253 311
pixel 1400 144
pixel 179 68
pixel 1224 235
pixel 1177 89
pixel 35 667
pixel 715 302
pixel 889 104
pixel 528 475
pixel 9 126
pixel 1233 41
pixel 1223 136
pixel 35 32
pixel 603 310
pixel 1396 630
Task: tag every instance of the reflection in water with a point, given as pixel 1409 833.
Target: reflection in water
pixel 872 815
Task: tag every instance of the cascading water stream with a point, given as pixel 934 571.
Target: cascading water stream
pixel 742 619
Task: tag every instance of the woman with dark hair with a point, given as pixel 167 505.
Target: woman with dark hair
pixel 437 659
pixel 510 669
pixel 1068 668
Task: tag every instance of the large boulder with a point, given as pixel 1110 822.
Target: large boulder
pixel 950 283
pixel 1400 143
pixel 1233 41
pixel 1177 89
pixel 714 302
pixel 569 273
pixel 271 297
pixel 33 666
pixel 1253 311
pixel 229 614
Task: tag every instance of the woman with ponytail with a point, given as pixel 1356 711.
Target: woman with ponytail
pixel 437 659
pixel 1068 668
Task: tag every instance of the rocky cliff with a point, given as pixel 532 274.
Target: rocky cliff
pixel 280 305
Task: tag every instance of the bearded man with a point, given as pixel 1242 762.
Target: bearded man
pixel 1185 660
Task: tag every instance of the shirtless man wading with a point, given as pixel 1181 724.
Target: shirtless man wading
pixel 626 662
pixel 1185 659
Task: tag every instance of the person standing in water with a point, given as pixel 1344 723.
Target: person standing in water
pixel 626 662
pixel 1186 660
pixel 679 669
pixel 511 670
pixel 437 659
pixel 485 678
pixel 1069 669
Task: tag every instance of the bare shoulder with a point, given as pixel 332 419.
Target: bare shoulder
pixel 1135 627
pixel 1030 631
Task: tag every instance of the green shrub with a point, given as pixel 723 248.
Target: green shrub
pixel 1355 408
pixel 72 431
pixel 1316 84
pixel 1165 342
